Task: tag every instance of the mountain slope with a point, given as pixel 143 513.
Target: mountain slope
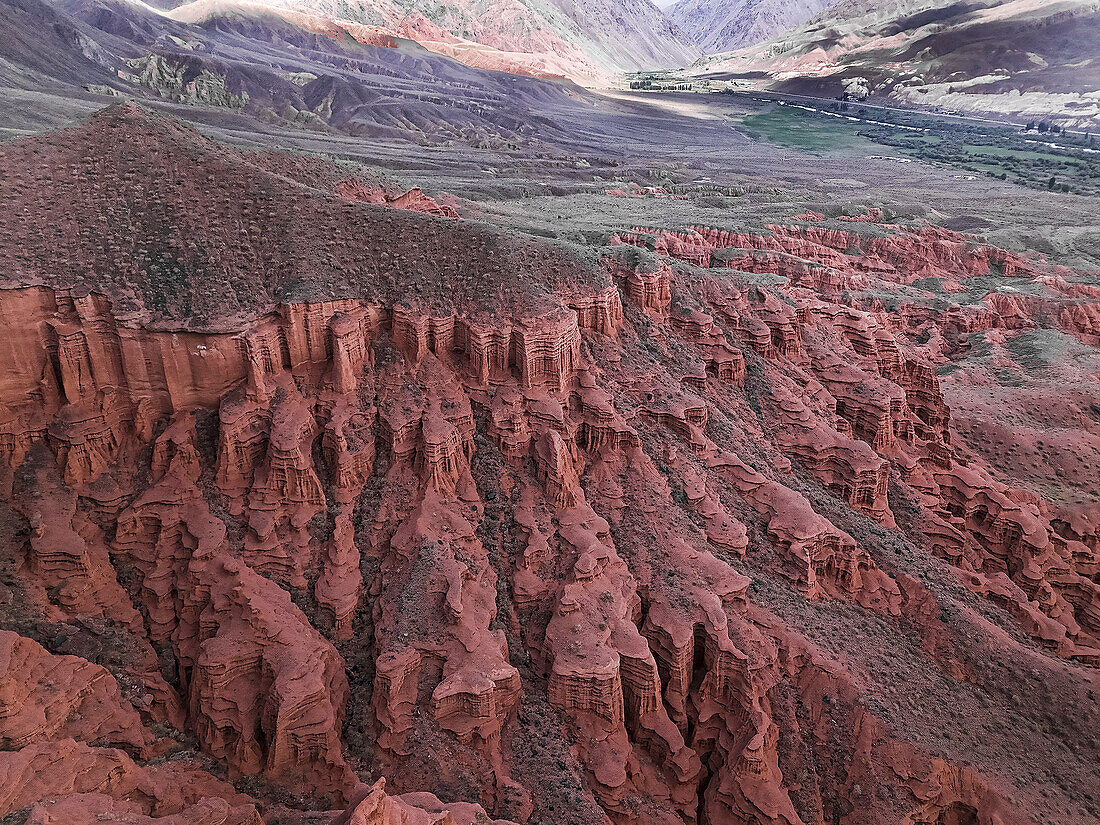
pixel 264 66
pixel 1023 59
pixel 720 25
pixel 550 58
pixel 580 38
pixel 38 42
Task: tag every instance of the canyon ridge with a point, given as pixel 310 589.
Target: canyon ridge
pixel 388 439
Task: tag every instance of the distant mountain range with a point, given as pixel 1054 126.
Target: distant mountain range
pixel 582 40
pixel 58 61
pixel 367 65
pixel 1021 59
pixel 589 41
pixel 722 25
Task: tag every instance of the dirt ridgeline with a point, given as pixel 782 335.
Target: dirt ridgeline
pixel 188 234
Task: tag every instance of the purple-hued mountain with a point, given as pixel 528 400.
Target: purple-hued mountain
pixel 723 25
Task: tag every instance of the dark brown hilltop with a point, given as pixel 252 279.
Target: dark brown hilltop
pixel 191 234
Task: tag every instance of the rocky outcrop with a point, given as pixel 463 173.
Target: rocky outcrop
pixel 825 560
pixel 476 687
pixel 70 774
pixel 631 653
pixel 264 690
pixel 285 493
pixel 648 287
pixel 91 808
pixel 267 692
pixel 436 652
pixel 373 806
pixel 59 767
pixel 847 467
pixel 989 532
pixel 538 349
pixel 49 697
pixel 354 189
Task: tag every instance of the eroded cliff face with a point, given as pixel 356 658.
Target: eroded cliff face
pixel 487 509
pixel 699 546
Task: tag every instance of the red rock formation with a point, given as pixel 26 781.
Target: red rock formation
pixel 63 766
pixel 263 696
pixel 56 770
pixel 374 807
pixel 650 543
pixel 50 697
pixel 86 809
pixel 847 467
pixel 437 656
pixel 648 289
pixel 354 189
pixel 264 690
pixel 603 673
pixel 477 686
pixel 539 349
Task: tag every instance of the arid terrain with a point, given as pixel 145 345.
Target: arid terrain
pixel 412 444
pixel 1016 60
